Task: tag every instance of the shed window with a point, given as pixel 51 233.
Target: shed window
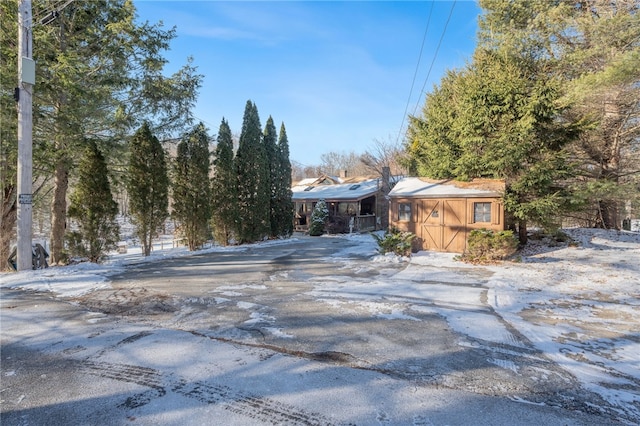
pixel 404 212
pixel 482 212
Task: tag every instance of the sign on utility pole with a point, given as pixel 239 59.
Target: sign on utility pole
pixel 27 79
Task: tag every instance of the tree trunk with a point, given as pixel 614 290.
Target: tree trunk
pixel 7 225
pixel 59 211
pixel 612 125
pixel 522 232
pixel 146 246
pixel 608 211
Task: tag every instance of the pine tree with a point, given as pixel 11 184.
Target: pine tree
pixel 319 218
pixel 8 131
pixel 270 142
pixel 93 207
pixel 593 47
pixel 283 211
pixel 191 187
pixel 497 119
pixel 224 195
pixel 148 186
pixel 253 179
pixel 100 74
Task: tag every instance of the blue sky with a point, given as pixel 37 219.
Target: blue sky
pixel 338 74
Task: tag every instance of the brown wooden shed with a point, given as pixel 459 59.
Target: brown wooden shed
pixel 442 213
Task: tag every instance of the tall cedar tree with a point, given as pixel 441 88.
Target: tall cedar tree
pixel 92 205
pixel 253 180
pixel 224 193
pixel 100 72
pixel 594 47
pixel 283 214
pixel 270 142
pixel 148 186
pixel 191 187
pixel 8 129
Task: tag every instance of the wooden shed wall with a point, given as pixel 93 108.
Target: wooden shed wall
pixel 444 224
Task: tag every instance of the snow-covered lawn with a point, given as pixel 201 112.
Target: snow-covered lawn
pixel 579 305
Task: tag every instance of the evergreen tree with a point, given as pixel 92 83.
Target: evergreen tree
pixel 224 220
pixel 148 186
pixel 319 217
pixel 497 119
pixel 270 142
pixel 93 207
pixel 253 179
pixel 593 47
pixel 8 130
pixel 100 73
pixel 191 187
pixel 601 59
pixel 284 209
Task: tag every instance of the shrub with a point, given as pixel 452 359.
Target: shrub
pixel 75 247
pixel 485 246
pixel 395 241
pixel 319 218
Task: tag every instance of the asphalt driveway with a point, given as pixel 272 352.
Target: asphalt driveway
pixel 282 334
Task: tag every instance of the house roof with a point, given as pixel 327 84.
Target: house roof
pixel 415 187
pixel 334 189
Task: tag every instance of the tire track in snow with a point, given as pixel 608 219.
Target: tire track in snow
pixel 243 403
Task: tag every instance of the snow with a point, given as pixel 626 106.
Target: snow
pixel 578 304
pixel 581 307
pixel 334 192
pixel 421 187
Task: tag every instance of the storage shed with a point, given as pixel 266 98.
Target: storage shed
pixel 442 213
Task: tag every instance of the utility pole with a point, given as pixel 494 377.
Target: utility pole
pixel 26 78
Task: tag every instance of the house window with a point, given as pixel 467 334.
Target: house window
pixel 404 212
pixel 482 212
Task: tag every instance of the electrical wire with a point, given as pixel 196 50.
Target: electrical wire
pixel 415 73
pixel 435 56
pixel 50 11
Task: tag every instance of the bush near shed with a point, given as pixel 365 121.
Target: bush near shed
pixel 395 241
pixel 485 246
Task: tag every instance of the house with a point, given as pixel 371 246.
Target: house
pixel 355 204
pixel 442 213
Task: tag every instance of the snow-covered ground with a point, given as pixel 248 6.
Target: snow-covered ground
pixel 578 304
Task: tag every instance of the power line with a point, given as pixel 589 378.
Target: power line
pixel 435 56
pixel 51 12
pixel 415 73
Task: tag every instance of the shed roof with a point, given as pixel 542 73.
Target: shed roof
pixel 320 189
pixel 415 187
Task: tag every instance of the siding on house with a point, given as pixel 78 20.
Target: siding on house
pixel 442 213
pixel 352 202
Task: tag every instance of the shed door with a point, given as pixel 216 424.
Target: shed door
pixel 431 224
pixel 443 225
pixel 453 233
